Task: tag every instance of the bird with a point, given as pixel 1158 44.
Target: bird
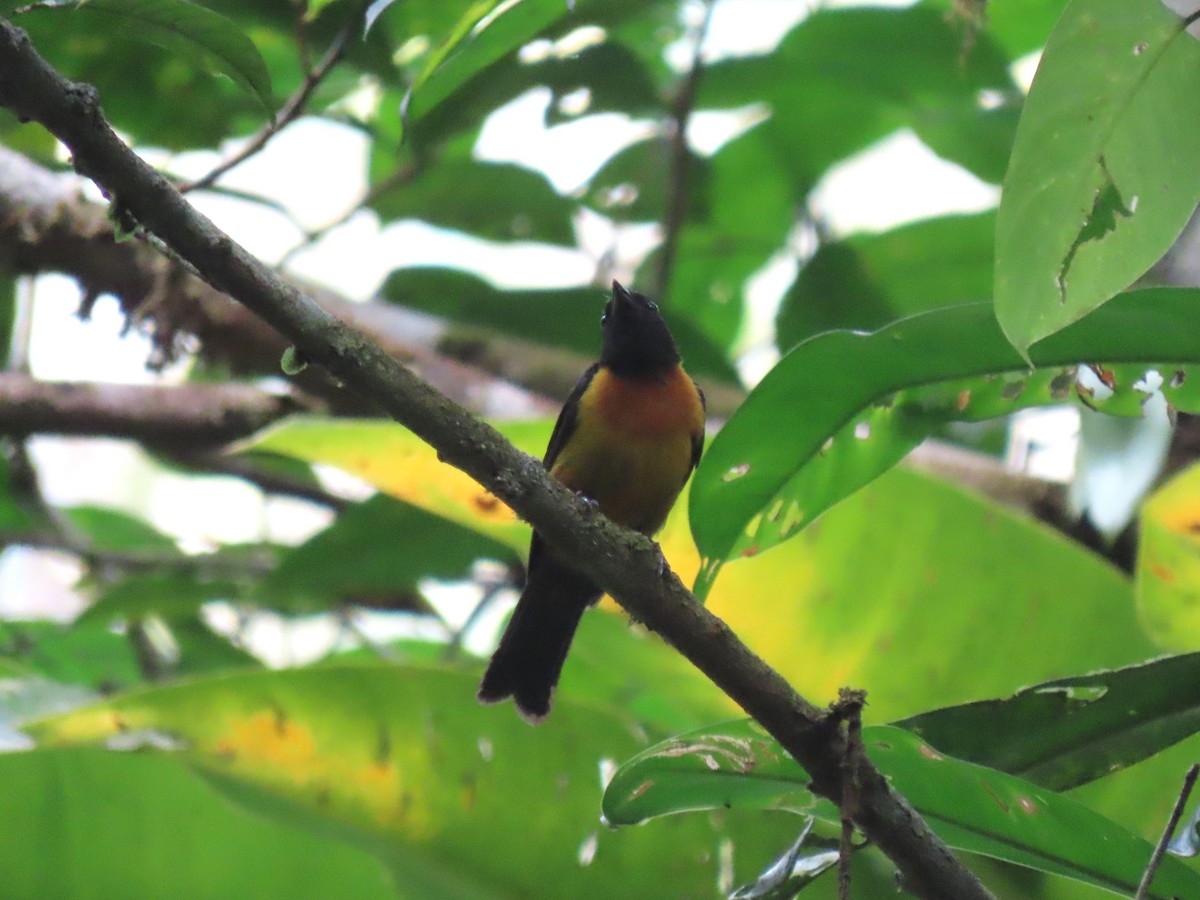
pixel 627 439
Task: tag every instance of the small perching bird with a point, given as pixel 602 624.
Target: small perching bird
pixel 627 438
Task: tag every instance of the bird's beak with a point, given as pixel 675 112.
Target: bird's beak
pixel 621 297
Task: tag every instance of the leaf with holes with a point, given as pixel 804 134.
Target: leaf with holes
pixel 752 489
pixel 972 808
pixel 1064 733
pixel 1102 176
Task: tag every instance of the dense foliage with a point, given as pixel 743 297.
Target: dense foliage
pixel 372 772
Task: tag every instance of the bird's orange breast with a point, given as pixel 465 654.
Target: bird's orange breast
pixel 631 450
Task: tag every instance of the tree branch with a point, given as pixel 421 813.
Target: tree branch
pixel 628 565
pixel 47 226
pixel 188 417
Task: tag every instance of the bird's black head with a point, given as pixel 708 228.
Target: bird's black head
pixel 637 343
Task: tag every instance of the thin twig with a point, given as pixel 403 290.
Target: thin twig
pixel 677 176
pixel 287 113
pixel 1189 781
pixel 209 564
pixel 400 175
pixel 490 592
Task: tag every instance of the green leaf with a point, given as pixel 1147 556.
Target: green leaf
pixel 191 29
pixel 615 80
pixel 399 463
pixel 1101 180
pixel 496 201
pixel 402 761
pixel 475 45
pixel 633 185
pixel 1064 733
pixel 16 515
pixel 8 311
pixel 972 808
pixel 177 594
pixel 897 610
pixel 376 549
pixel 864 73
pixel 201 651
pixel 91 655
pixel 754 488
pixel 141 826
pixel 1018 28
pixel 868 280
pixel 653 682
pixel 117 531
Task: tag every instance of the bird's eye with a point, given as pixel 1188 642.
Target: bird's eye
pixel 653 306
pixel 603 317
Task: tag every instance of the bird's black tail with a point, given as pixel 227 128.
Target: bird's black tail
pixel 527 663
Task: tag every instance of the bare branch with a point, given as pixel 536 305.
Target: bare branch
pixel 187 417
pixel 628 565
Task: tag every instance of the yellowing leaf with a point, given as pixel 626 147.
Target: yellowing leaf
pixel 1168 566
pixel 397 462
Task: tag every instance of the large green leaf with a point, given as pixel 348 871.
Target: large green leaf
pixel 496 201
pixel 766 473
pixel 868 280
pixel 651 682
pixel 1063 733
pixel 468 51
pixel 864 73
pixel 139 825
pixel 1101 180
pixel 191 29
pixel 970 807
pixel 614 78
pixel 910 589
pixel 403 761
pixel 399 463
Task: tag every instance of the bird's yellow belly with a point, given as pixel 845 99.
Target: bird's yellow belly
pixel 631 449
pixel 634 479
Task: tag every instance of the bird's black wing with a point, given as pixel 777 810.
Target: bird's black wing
pixel 569 417
pixel 698 439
